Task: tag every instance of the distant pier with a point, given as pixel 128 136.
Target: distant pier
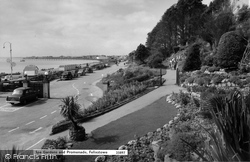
pixel 58 58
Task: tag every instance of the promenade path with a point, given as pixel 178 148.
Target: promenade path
pixel 167 88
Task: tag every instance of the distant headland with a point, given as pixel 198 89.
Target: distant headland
pixel 88 57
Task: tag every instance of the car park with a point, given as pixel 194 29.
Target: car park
pixel 22 95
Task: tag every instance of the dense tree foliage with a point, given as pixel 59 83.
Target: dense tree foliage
pixel 141 54
pixel 179 25
pixel 189 21
pixel 193 61
pixel 155 61
pixel 243 21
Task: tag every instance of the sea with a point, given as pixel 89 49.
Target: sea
pixel 40 63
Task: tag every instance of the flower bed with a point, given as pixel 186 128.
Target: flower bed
pixel 100 107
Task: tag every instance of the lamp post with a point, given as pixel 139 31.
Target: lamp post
pixel 46 86
pixel 25 82
pixel 11 64
pixel 25 75
pixel 46 75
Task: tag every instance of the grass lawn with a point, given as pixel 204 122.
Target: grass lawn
pixel 119 132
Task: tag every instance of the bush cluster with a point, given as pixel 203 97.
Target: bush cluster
pixel 213 69
pixel 190 80
pixel 204 68
pixel 234 79
pixel 131 74
pixel 114 96
pixel 230 50
pixel 216 79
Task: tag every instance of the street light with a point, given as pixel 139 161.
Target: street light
pixel 11 65
pixel 46 73
pixel 25 75
pixel 46 86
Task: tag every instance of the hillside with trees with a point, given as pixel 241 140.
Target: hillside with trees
pixel 190 22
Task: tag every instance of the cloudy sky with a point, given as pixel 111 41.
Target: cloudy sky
pixel 77 27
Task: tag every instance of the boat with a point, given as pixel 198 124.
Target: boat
pixel 22 60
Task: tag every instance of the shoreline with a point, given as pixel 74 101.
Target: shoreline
pixel 40 63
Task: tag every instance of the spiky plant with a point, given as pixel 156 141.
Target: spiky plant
pixel 70 109
pixel 231 115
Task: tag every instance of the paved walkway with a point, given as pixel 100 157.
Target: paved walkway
pixel 167 88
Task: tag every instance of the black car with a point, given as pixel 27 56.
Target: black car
pixel 22 95
pixel 66 75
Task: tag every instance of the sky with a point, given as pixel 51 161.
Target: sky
pixel 77 27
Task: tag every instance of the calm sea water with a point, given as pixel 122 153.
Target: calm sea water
pixel 40 63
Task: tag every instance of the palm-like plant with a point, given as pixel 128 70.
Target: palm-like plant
pixel 70 110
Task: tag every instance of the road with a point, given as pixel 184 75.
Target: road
pixel 29 125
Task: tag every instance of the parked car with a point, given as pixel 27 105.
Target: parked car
pixel 67 75
pixel 22 95
pixel 81 72
pixel 89 70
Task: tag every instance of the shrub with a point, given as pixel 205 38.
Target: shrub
pixel 180 150
pixel 230 50
pixel 139 78
pixel 198 88
pixel 190 80
pixel 234 79
pixel 155 61
pixel 183 78
pixel 204 68
pixel 248 79
pixel 243 76
pixel 183 98
pixel 199 81
pixel 207 80
pixel 59 143
pixel 193 61
pixel 208 60
pixel 217 79
pixel 213 69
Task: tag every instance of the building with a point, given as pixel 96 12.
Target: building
pixel 30 70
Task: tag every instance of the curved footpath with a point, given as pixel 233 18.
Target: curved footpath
pixel 167 88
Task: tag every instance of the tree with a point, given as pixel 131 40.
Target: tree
pixel 219 20
pixel 180 24
pixel 193 61
pixel 141 54
pixel 243 21
pixel 70 110
pixel 155 61
pixel 131 56
pixel 189 20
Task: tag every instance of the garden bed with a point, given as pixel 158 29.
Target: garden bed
pixel 126 128
pixel 65 124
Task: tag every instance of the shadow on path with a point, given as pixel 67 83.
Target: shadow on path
pixel 105 140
